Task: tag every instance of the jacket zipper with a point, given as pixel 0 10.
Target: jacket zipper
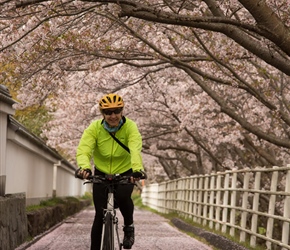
pixel 111 162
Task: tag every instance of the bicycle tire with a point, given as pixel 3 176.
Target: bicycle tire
pixel 109 233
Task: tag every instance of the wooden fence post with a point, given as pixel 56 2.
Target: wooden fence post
pixel 195 198
pixel 205 200
pixel 211 201
pixel 254 223
pixel 245 206
pixel 271 207
pixel 225 202
pixel 190 197
pixel 233 203
pixel 218 201
pixel 199 206
pixel 285 229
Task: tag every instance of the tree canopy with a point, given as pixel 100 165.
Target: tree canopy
pixel 207 81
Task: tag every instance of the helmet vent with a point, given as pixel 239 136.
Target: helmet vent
pixel 111 101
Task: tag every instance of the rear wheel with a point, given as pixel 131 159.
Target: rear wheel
pixel 109 233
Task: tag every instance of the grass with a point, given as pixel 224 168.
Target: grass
pixel 45 203
pixel 136 197
pixel 56 201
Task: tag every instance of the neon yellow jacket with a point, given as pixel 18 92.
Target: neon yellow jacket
pixel 109 157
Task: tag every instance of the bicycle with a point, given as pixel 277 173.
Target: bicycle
pixel 110 233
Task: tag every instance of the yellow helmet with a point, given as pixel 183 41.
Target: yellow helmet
pixel 111 101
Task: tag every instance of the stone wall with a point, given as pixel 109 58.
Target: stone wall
pixel 17 225
pixel 44 218
pixel 13 221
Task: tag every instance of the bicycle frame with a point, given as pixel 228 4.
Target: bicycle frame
pixel 110 219
pixel 110 224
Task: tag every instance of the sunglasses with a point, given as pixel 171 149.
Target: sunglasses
pixel 109 111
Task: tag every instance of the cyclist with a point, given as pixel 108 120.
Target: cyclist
pixel 110 157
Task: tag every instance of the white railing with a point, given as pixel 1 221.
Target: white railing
pixel 252 204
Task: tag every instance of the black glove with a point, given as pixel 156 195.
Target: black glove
pixel 79 175
pixel 137 174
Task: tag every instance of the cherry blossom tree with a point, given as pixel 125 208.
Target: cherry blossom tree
pixel 206 81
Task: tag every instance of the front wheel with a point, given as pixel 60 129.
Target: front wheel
pixel 108 238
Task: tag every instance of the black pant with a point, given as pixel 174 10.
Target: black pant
pixel 123 201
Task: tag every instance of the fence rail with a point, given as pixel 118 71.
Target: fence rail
pixel 252 204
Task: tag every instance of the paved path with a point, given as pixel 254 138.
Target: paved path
pixel 153 232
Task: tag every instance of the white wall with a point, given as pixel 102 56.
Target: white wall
pixel 29 169
pixel 27 164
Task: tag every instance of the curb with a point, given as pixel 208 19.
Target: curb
pixel 215 240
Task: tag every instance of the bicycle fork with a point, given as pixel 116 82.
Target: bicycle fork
pixel 110 227
pixel 120 245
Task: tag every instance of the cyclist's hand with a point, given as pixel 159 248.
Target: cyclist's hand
pixel 136 176
pixel 83 173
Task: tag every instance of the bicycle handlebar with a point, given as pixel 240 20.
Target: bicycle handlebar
pixel 115 178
